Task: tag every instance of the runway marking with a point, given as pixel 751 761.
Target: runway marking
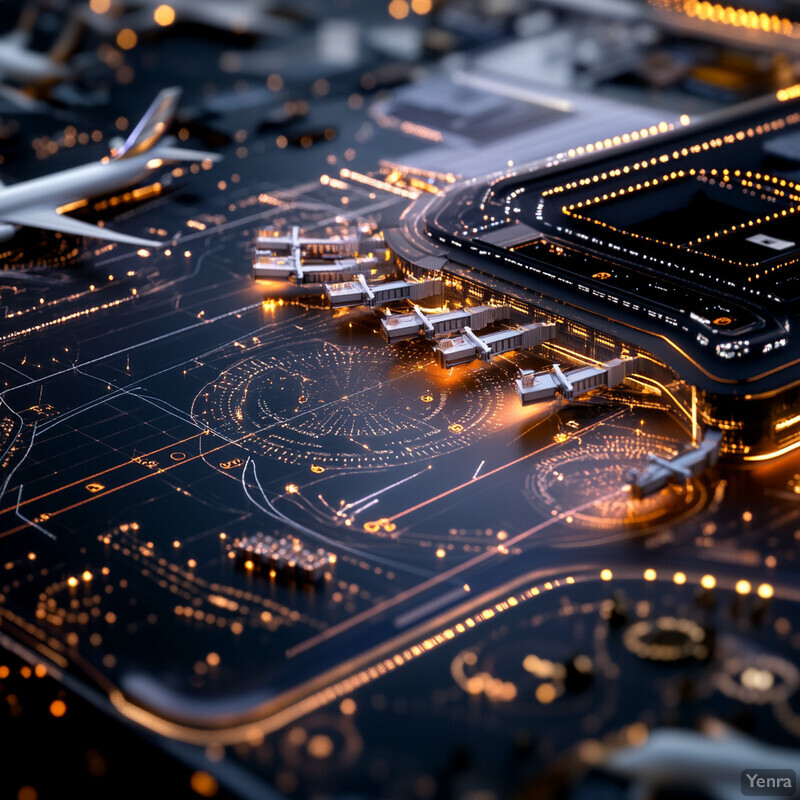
pixel 470 482
pixel 136 346
pixel 437 579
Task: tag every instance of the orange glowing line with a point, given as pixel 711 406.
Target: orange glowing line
pixel 98 474
pixel 774 454
pixel 661 386
pixel 497 469
pixel 444 576
pixel 129 483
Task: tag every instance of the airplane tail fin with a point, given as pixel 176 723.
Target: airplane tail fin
pixel 68 40
pixel 21 34
pixel 152 125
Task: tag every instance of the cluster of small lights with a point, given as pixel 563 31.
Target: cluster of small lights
pixel 698 147
pixel 748 180
pixel 720 14
pixel 623 138
pixel 65 318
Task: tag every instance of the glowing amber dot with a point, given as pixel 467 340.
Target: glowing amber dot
pixel 249 564
pixel 164 15
pixel 40 671
pixel 176 544
pixel 4 672
pixel 204 784
pixel 58 708
pixel 291 488
pixel 72 581
pixel 765 591
pixel 679 578
pixel 606 575
pixel 546 693
pixel 440 553
pixel 708 581
pixel 100 6
pixel 320 746
pixel 398 9
pixel 743 587
pixel 212 659
pixel 126 39
pixel 27 793
pixel 348 706
pixel 424 7
pixel 649 574
pixel 31 556
pixel 87 576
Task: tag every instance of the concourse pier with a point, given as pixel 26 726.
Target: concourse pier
pixel 534 387
pixel 398 327
pixel 290 268
pixel 358 292
pixel 661 471
pixel 467 346
pixel 306 259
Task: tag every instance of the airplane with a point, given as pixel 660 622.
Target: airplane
pixel 673 758
pixel 31 69
pixel 34 203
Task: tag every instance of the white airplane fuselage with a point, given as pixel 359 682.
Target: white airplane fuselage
pixel 78 183
pixel 24 66
pixel 36 202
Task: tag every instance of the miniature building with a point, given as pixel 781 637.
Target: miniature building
pixel 533 387
pixel 398 327
pixel 284 557
pixel 359 293
pixel 467 346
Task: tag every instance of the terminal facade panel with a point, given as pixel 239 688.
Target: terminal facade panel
pixel 678 247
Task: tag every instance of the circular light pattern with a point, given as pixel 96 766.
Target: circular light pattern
pixel 758 679
pixel 345 407
pixel 583 470
pixel 667 639
pixel 321 745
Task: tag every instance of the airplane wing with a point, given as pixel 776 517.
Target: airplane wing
pixel 19 102
pixel 50 220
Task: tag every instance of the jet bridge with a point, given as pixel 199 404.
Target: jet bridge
pixel 292 267
pixel 306 259
pixel 468 346
pixel 358 292
pixel 398 327
pixel 534 387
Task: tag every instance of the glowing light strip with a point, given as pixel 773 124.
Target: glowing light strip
pixel 774 454
pixel 359 177
pixel 719 14
pixel 787 423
